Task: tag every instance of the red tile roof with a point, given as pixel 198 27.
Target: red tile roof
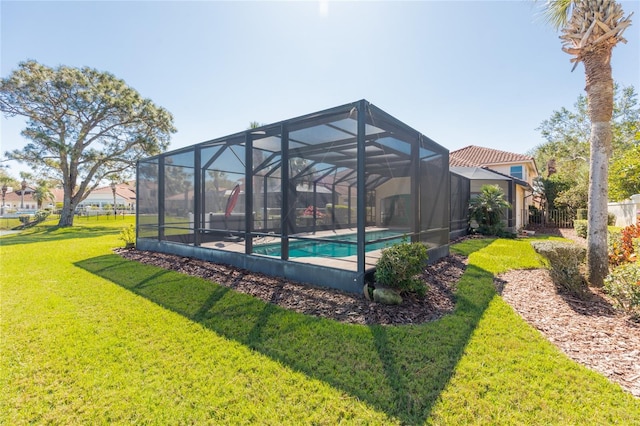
pixel 478 156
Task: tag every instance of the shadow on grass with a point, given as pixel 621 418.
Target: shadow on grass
pixel 400 370
pixel 41 234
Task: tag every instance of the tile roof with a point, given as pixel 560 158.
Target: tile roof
pixel 478 156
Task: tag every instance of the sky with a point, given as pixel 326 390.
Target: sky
pixel 463 73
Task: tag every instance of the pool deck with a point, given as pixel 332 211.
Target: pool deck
pixel 349 263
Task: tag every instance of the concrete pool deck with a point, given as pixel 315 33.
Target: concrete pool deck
pixel 349 263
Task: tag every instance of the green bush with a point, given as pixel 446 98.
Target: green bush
pixel 623 285
pixel 611 219
pixel 581 227
pixel 488 209
pixel 128 235
pixel 399 266
pixel 581 214
pixel 565 260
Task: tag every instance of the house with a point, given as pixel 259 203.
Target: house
pixel 514 173
pixel 123 193
pixel 125 197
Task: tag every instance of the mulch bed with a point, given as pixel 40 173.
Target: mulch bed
pixel 441 277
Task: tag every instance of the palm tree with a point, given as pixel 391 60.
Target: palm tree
pixel 590 29
pixel 42 193
pixel 488 209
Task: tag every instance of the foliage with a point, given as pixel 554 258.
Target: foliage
pixel 582 214
pixel 623 285
pixel 128 235
pixel 624 174
pixel 622 245
pixel 566 150
pixel 167 348
pixel 96 127
pixel 43 193
pixel 399 267
pixel 565 260
pixel 581 226
pixel 488 209
pixel 611 219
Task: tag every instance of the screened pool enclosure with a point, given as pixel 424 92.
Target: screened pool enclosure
pixel 314 198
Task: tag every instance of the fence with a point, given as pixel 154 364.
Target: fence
pixel 551 218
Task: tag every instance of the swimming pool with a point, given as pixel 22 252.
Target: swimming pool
pixel 310 248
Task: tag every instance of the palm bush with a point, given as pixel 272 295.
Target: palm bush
pixel 488 209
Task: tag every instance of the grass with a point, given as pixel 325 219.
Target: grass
pixel 89 337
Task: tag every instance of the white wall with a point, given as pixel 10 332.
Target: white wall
pixel 627 212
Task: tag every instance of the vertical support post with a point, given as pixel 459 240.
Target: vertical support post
pixel 315 205
pixel 265 204
pixel 248 193
pixel 136 205
pixel 284 187
pixel 361 189
pixel 197 197
pixel 161 198
pixel 349 206
pixel 415 190
pixel 333 205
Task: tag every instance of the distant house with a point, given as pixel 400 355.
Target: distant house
pixel 99 198
pixel 514 173
pixel 102 196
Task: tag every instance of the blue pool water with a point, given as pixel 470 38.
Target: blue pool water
pixel 307 248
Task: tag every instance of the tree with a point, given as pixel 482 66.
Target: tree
pixel 624 179
pixel 488 209
pixel 590 30
pixel 43 193
pixel 83 126
pixel 565 155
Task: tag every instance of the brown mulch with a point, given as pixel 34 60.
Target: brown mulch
pixel 590 332
pixel 442 278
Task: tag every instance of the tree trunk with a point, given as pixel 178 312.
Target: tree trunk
pixel 68 211
pixel 597 247
pixel 600 95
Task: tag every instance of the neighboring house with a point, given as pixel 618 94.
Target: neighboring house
pixel 514 173
pixel 15 200
pixel 99 198
pixel 102 196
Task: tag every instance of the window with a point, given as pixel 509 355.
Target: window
pixel 516 172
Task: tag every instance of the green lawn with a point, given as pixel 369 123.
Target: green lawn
pixel 90 338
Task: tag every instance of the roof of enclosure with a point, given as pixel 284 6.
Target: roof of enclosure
pixel 327 140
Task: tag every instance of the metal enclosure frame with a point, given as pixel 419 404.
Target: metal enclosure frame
pixel 327 178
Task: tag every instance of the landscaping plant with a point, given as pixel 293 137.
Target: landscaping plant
pixel 622 245
pixel 400 265
pixel 581 227
pixel 488 210
pixel 128 235
pixel 623 285
pixel 565 260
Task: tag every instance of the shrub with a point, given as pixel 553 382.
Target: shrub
pixel 623 285
pixel 399 266
pixel 128 235
pixel 581 227
pixel 565 260
pixel 622 246
pixel 488 209
pixel 611 219
pixel 581 214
